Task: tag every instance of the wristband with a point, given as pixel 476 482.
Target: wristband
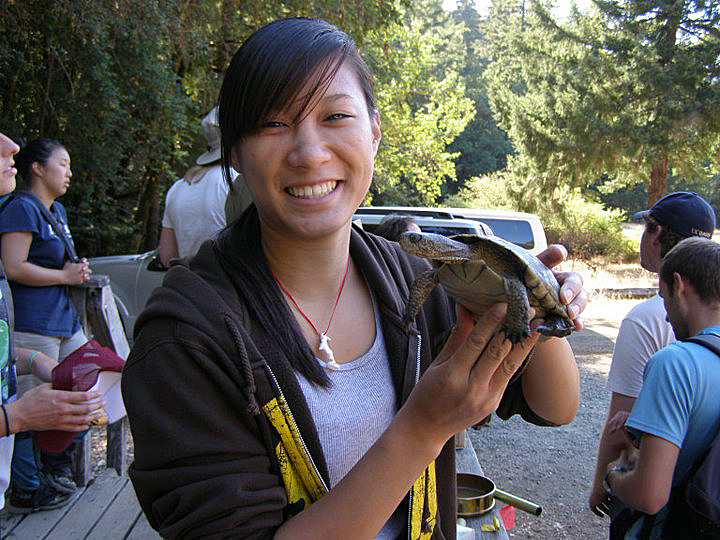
pixel 30 358
pixel 606 480
pixel 7 424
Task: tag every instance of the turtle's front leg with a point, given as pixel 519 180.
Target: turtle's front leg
pixel 419 291
pixel 517 326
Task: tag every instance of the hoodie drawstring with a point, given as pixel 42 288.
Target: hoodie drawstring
pixel 249 389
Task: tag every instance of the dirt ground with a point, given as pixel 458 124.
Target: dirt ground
pixel 553 467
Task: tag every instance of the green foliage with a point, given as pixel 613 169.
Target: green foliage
pixel 619 90
pixel 490 192
pixel 587 229
pixel 124 85
pixel 93 75
pixel 422 104
pixel 482 147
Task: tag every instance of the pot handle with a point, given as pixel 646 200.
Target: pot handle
pixel 517 502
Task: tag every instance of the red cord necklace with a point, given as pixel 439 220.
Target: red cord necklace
pixel 323 347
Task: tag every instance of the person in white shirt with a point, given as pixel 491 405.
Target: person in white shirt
pixel 195 205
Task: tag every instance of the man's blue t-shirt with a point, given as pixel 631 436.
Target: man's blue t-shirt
pixel 680 400
pixel 45 310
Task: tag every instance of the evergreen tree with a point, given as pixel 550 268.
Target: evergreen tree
pixel 630 89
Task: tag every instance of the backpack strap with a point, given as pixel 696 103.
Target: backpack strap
pixel 709 341
pixel 56 225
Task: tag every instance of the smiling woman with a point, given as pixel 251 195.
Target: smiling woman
pixel 273 389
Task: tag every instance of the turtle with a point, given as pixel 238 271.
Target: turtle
pixel 479 271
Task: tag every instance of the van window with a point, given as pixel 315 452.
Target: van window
pixel 516 231
pixel 445 230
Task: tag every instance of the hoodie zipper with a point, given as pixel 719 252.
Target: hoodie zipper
pixel 417 378
pixel 302 441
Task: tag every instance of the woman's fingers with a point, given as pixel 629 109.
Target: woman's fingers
pixel 553 255
pixel 463 326
pixel 512 357
pixel 477 340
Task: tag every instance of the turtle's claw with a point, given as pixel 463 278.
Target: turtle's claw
pixel 516 335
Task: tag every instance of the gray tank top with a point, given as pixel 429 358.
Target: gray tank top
pixel 354 412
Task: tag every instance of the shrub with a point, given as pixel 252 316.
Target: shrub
pixel 488 192
pixel 587 229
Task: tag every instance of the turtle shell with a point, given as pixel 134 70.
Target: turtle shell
pixel 480 271
pixel 477 283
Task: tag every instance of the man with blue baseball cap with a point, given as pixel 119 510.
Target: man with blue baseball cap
pixel 645 330
pixel 684 213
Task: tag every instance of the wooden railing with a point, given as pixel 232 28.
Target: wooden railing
pixel 100 319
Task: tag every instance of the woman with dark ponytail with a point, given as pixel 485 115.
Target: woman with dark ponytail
pixel 38 255
pixel 41 408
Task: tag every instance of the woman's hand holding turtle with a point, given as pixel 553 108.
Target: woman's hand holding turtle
pixel 572 293
pixel 467 379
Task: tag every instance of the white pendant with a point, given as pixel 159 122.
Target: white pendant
pixel 326 352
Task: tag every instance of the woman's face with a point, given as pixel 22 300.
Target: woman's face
pixel 54 176
pixel 7 172
pixel 307 178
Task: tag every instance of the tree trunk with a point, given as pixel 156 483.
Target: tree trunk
pixel 658 181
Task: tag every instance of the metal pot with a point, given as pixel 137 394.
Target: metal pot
pixel 475 495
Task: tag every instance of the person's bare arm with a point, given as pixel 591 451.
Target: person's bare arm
pixel 43 408
pixel 42 364
pixel 463 385
pixel 15 249
pixel 646 486
pixel 612 443
pixel 551 382
pixel 167 248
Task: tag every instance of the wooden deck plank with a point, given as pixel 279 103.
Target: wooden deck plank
pixel 142 530
pixel 75 520
pixel 38 525
pixel 7 524
pixel 116 522
pixel 94 503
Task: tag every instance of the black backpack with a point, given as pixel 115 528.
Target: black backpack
pixel 695 505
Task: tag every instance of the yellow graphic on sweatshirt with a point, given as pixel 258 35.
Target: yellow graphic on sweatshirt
pixel 299 476
pixel 423 513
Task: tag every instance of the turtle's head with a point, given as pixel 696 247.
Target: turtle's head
pixel 419 243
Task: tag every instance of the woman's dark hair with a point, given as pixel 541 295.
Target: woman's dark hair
pixel 274 65
pixel 256 287
pixel 393 225
pixel 37 150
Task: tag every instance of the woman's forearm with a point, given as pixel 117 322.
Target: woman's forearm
pixel 551 381
pixel 366 497
pixel 33 275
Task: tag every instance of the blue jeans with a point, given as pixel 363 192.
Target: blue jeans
pixel 24 471
pixel 27 461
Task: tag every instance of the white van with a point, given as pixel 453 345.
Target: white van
pixel 446 227
pixel 520 228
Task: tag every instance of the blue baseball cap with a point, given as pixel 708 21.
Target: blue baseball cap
pixel 683 212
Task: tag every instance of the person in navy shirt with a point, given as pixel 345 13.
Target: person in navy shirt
pixel 38 409
pixel 39 270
